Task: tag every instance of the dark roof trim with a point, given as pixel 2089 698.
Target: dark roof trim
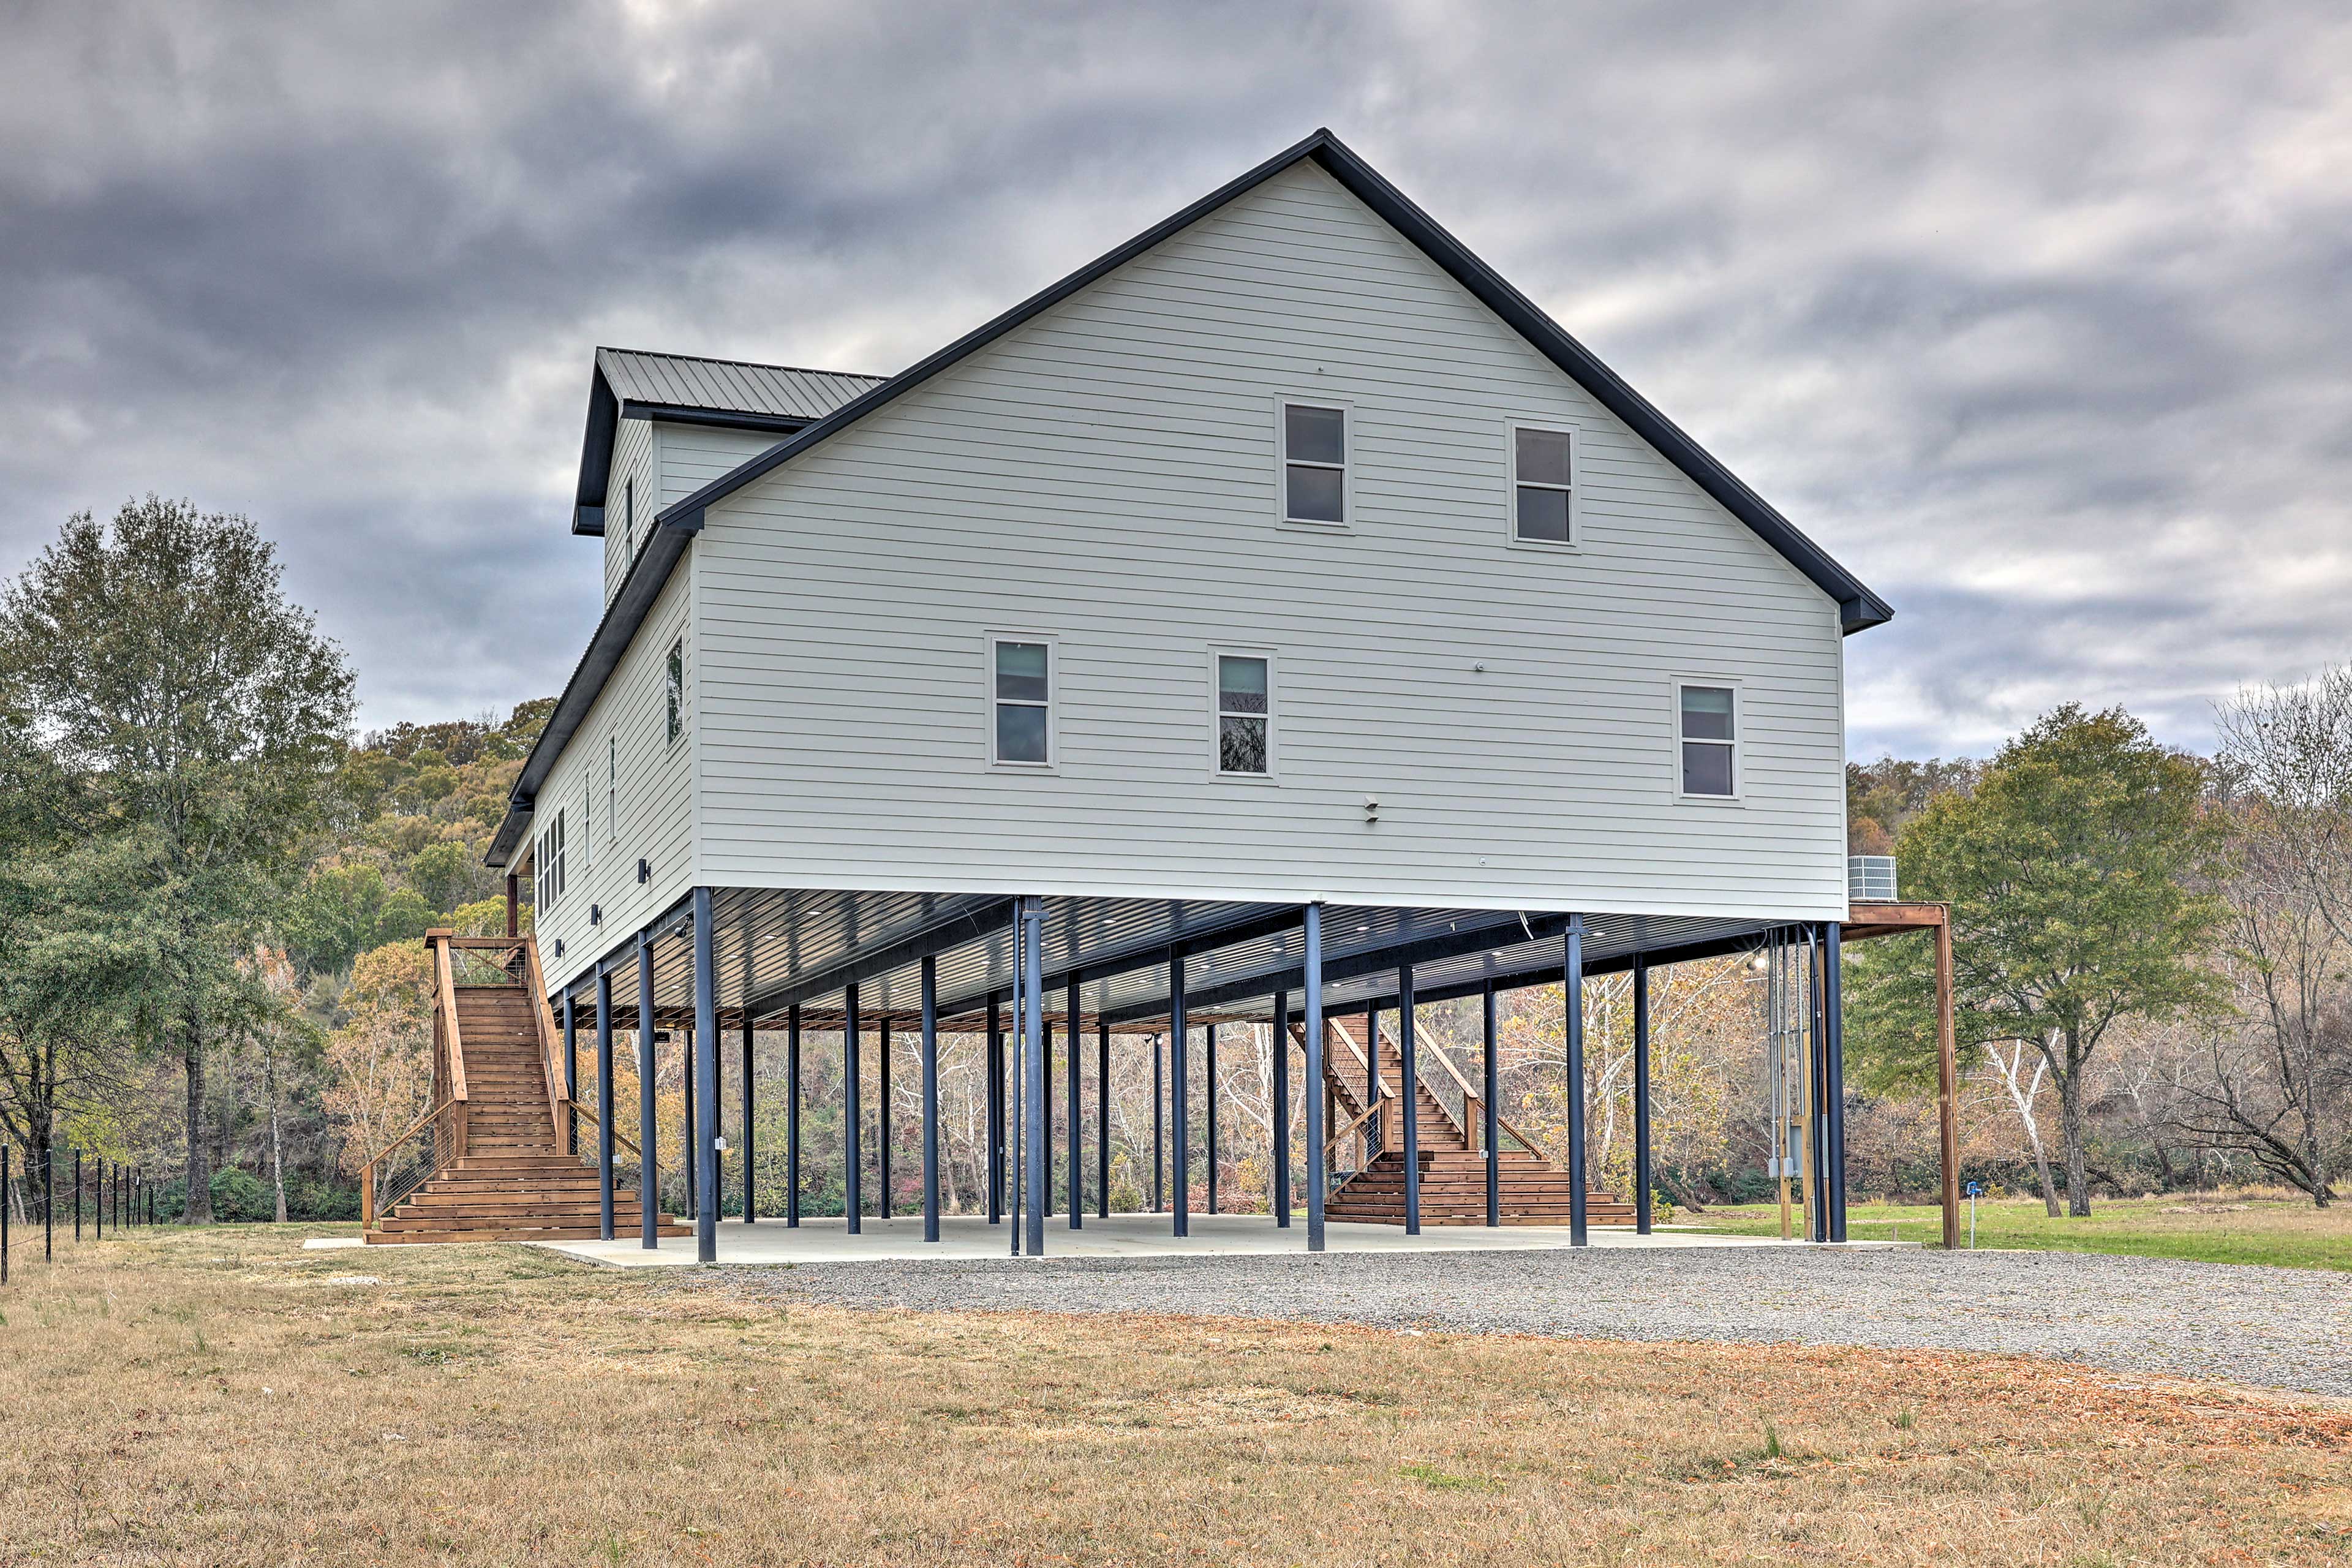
pixel 596 455
pixel 1858 607
pixel 626 613
pixel 727 418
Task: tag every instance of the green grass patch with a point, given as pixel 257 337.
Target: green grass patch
pixel 2259 1227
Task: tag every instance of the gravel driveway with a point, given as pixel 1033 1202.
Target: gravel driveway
pixel 2281 1327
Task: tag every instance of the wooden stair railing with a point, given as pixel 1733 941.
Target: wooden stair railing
pixel 550 1044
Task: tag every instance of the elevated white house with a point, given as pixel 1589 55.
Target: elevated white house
pixel 1279 617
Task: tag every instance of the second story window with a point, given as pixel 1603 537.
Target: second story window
pixel 1245 712
pixel 1709 722
pixel 1314 464
pixel 550 860
pixel 1543 493
pixel 629 518
pixel 612 788
pixel 1021 688
pixel 674 693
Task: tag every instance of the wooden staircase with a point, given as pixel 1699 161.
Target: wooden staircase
pixel 498 1170
pixel 1534 1191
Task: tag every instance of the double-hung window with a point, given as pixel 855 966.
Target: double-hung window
pixel 612 788
pixel 1245 714
pixel 1021 697
pixel 1708 725
pixel 1543 486
pixel 549 859
pixel 1314 464
pixel 675 691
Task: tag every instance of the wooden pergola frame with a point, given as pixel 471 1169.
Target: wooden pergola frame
pixel 1863 921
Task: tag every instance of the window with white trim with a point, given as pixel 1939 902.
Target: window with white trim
pixel 1020 694
pixel 548 860
pixel 629 519
pixel 1245 714
pixel 1543 486
pixel 675 692
pixel 1314 464
pixel 612 789
pixel 588 820
pixel 1708 725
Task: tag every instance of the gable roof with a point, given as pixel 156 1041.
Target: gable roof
pixel 1858 607
pixel 687 389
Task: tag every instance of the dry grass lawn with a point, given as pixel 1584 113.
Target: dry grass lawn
pixel 223 1397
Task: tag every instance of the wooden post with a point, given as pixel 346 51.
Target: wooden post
pixel 514 905
pixel 1948 1084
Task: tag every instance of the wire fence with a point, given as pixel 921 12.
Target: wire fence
pixel 67 1197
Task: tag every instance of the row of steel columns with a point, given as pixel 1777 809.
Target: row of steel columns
pixel 1020 1162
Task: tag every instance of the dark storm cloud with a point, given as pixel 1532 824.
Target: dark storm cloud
pixel 2032 315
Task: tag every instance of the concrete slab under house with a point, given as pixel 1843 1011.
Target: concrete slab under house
pixel 1278 621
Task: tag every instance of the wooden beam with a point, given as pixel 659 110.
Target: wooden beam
pixel 1948 1088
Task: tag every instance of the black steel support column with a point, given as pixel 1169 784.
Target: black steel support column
pixel 751 1098
pixel 649 1111
pixel 1311 977
pixel 1834 1054
pixel 1490 1114
pixel 1179 1120
pixel 692 1165
pixel 882 1204
pixel 1078 1140
pixel 1209 1097
pixel 1640 1095
pixel 705 1073
pixel 1572 1034
pixel 852 1158
pixel 930 1098
pixel 1033 1011
pixel 995 1115
pixel 793 1116
pixel 1409 1070
pixel 604 1103
pixel 1817 1067
pixel 1159 1129
pixel 571 1079
pixel 1282 1108
pixel 1102 1120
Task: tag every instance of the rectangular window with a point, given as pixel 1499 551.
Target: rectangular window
pixel 1314 464
pixel 1024 701
pixel 550 858
pixel 676 695
pixel 1245 712
pixel 1543 490
pixel 629 516
pixel 588 819
pixel 612 788
pixel 1710 741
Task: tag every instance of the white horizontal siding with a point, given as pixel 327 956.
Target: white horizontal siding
pixel 635 453
pixel 1107 474
pixel 654 820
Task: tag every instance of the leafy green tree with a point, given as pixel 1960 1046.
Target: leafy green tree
pixel 344 911
pixel 159 660
pixel 442 874
pixel 2072 871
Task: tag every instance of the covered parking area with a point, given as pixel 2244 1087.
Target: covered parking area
pixel 724 962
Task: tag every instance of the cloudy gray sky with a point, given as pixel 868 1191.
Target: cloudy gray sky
pixel 2039 317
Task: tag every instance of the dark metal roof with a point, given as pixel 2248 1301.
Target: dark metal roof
pixel 630 384
pixel 1858 607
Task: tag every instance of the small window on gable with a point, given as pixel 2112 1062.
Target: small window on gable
pixel 675 695
pixel 1021 698
pixel 1314 464
pixel 1245 714
pixel 1709 731
pixel 1543 486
